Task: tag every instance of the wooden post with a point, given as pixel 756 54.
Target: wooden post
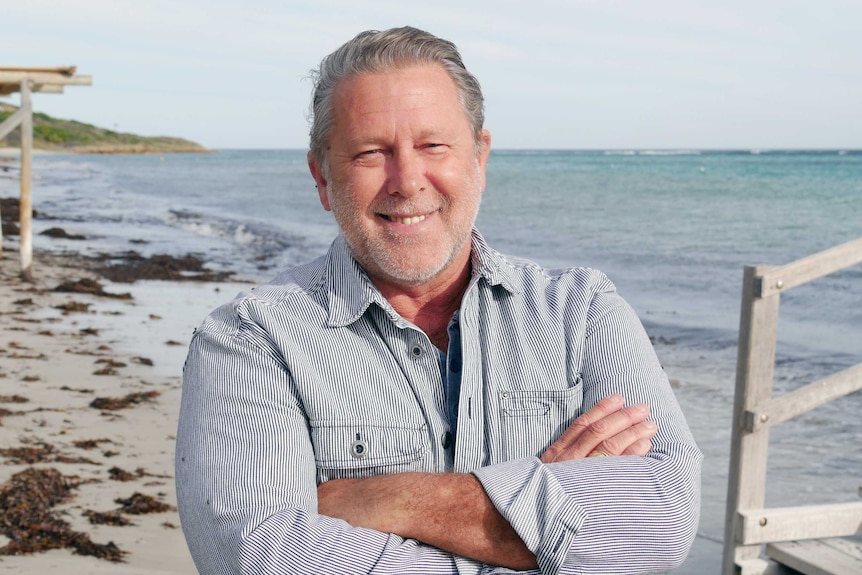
pixel 746 485
pixel 7 126
pixel 26 209
pixel 27 80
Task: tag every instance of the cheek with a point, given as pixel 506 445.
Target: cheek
pixel 358 189
pixel 466 173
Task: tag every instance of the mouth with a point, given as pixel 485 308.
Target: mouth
pixel 405 220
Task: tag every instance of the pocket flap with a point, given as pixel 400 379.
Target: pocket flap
pixel 340 445
pixel 540 402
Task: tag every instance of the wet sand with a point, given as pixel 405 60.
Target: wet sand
pixel 89 397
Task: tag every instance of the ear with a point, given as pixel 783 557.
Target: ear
pixel 317 173
pixel 484 152
pixel 484 147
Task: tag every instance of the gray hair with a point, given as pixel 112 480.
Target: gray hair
pixel 374 51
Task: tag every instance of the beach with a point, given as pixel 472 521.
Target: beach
pixel 672 231
pixel 68 364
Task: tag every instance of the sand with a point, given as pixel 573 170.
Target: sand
pixel 62 361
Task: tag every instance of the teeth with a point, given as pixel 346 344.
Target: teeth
pixel 408 221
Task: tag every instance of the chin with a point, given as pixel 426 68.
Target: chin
pixel 403 269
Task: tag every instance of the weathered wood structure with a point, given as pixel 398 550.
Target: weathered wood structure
pixel 805 538
pixel 27 81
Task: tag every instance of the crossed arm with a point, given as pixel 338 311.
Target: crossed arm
pixel 249 505
pixel 453 512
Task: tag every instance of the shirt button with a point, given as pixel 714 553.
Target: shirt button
pixel 417 351
pixel 446 440
pixel 358 449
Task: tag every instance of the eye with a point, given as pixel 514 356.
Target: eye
pixel 368 157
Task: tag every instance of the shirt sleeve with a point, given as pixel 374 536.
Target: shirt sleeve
pixel 246 476
pixel 622 514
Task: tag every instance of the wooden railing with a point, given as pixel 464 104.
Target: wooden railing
pixel 748 523
pixel 27 80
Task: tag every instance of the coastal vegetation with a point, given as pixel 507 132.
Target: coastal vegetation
pixel 59 135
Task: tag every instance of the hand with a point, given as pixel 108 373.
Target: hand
pixel 609 428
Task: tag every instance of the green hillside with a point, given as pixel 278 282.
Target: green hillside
pixel 71 136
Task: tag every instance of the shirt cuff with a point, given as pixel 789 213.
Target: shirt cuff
pixel 531 499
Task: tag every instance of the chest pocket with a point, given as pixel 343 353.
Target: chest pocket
pixel 533 419
pixel 352 450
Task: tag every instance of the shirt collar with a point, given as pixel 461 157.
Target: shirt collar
pixel 491 265
pixel 350 291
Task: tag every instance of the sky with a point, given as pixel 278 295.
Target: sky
pixel 566 74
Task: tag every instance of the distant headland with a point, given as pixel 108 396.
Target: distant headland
pixel 56 135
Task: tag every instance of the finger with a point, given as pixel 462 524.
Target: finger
pixel 570 436
pixel 583 441
pixel 640 447
pixel 625 419
pixel 579 440
pixel 599 411
pixel 620 443
pixel 602 409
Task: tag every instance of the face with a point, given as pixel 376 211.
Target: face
pixel 404 178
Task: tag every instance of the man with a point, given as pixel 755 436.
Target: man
pixel 413 401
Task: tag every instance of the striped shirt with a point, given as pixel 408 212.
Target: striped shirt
pixel 315 377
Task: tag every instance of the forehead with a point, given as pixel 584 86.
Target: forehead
pixel 397 97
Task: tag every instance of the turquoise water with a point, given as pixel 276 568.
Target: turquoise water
pixel 672 229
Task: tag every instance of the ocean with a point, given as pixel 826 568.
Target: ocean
pixel 672 229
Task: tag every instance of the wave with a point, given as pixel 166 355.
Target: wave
pixel 652 152
pixel 669 152
pixel 264 240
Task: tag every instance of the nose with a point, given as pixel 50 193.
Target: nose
pixel 406 173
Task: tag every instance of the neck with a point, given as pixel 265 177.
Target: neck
pixel 430 306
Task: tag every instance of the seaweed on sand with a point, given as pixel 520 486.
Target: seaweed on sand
pixel 140 504
pixel 28 519
pixel 41 452
pixel 114 403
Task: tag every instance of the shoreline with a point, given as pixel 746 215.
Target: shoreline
pixel 15 152
pixel 12 153
pixel 55 363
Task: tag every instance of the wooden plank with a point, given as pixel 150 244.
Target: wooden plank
pixel 848 546
pixel 11 122
pixel 48 88
pixel 804 522
pixel 44 78
pixel 6 89
pixel 746 485
pixel 805 398
pixel 810 268
pixel 763 567
pixel 26 204
pixel 819 556
pixel 67 70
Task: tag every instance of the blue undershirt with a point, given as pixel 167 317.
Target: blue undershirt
pixel 450 370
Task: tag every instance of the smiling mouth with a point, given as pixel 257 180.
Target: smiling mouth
pixel 408 221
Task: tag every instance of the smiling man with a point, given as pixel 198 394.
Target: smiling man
pixel 414 401
pixel 404 184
